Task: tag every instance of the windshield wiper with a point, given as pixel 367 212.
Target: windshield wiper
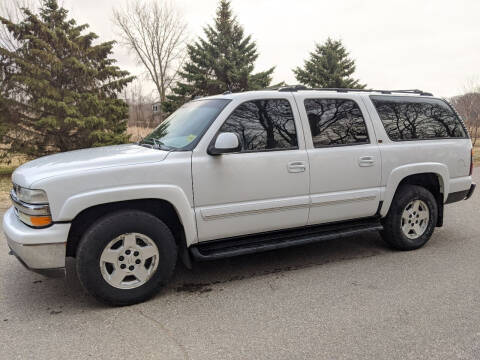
pixel 157 144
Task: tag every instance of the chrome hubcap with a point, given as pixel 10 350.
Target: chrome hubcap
pixel 129 261
pixel 415 219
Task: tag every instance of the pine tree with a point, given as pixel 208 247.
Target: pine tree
pixel 329 66
pixel 60 91
pixel 223 61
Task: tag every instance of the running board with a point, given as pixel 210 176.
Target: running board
pixel 242 245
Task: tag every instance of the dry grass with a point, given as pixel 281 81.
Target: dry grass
pixel 138 132
pixel 476 154
pixel 5 186
pixel 6 169
pixel 7 166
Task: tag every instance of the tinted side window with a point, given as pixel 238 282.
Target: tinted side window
pixel 336 122
pixel 263 125
pixel 406 118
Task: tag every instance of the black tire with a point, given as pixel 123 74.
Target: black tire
pixel 101 233
pixel 392 224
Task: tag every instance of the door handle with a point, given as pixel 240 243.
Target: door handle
pixel 365 161
pixel 296 166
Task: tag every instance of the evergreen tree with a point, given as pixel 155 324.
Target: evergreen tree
pixel 223 61
pixel 59 92
pixel 328 67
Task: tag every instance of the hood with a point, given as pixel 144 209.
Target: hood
pixel 84 160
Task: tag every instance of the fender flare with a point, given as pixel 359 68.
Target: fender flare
pixel 173 194
pixel 401 172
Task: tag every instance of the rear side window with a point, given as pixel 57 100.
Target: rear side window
pixel 263 125
pixel 336 122
pixel 407 118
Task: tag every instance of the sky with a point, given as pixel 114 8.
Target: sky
pixel 432 45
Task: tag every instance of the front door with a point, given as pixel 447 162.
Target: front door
pixel 264 186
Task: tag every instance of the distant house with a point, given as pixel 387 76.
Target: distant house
pixel 144 114
pixel 156 113
pixel 156 108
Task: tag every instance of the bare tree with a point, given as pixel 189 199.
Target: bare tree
pixel 155 32
pixel 468 106
pixel 12 10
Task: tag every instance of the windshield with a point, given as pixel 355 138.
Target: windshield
pixel 186 125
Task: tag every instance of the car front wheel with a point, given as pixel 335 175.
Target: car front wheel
pixel 125 257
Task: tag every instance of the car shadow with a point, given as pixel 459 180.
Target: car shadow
pixel 204 276
pixel 67 295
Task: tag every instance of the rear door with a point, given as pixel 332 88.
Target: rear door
pixel 345 164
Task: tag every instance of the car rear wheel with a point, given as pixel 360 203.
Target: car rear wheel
pixel 125 257
pixel 411 220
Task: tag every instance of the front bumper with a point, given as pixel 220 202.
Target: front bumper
pixel 40 250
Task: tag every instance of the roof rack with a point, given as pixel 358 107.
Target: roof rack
pixel 342 90
pixel 292 88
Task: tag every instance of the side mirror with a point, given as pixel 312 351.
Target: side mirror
pixel 226 142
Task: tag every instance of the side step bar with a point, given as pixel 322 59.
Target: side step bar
pixel 242 245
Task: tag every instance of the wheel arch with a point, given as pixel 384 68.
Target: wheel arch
pixel 432 176
pixel 171 194
pixel 180 221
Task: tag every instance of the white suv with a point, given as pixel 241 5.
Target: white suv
pixel 235 174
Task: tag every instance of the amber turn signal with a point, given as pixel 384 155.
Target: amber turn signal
pixel 40 221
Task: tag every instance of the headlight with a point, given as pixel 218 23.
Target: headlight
pixel 30 196
pixel 31 206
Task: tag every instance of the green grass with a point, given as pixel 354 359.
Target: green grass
pixel 7 166
pixel 6 170
pixel 5 183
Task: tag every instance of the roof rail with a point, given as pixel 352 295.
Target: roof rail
pixel 414 91
pixel 344 90
pixel 292 88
